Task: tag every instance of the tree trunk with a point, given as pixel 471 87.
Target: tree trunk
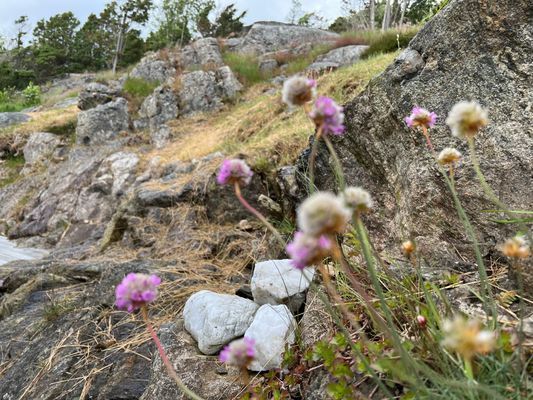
pixel 386 16
pixel 372 14
pixel 404 9
pixel 120 38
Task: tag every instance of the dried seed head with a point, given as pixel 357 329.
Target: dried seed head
pixel 466 119
pixel 323 213
pixel 516 247
pixel 449 156
pixel 357 199
pixel 298 90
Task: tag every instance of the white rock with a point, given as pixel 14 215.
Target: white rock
pixel 272 329
pixel 216 319
pixel 278 282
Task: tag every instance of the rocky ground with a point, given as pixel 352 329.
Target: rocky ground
pixel 107 199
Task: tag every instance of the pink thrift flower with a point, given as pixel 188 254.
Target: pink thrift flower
pixel 239 352
pixel 136 290
pixel 329 115
pixel 306 250
pixel 421 117
pixel 234 170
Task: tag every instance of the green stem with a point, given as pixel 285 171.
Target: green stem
pixel 469 370
pixel 258 215
pixel 337 166
pixel 488 299
pixel 170 369
pixel 312 159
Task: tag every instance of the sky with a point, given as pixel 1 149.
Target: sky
pixel 276 10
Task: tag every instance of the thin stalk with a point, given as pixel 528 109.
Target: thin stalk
pixel 428 140
pixel 483 277
pixel 258 215
pixel 522 310
pixel 469 369
pixel 363 238
pixel 312 159
pixel 170 369
pixel 337 166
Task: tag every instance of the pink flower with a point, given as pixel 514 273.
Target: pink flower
pixel 421 117
pixel 239 352
pixel 234 170
pixel 136 290
pixel 306 250
pixel 328 114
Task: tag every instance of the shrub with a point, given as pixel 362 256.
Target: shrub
pixel 32 95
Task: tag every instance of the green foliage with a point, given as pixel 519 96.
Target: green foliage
pixel 12 165
pixel 245 67
pixel 389 41
pixel 10 77
pixel 139 88
pixel 228 22
pixel 173 26
pixel 32 95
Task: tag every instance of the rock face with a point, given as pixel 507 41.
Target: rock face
pixel 206 90
pixel 95 94
pixel 102 123
pixel 272 329
pixel 470 50
pixel 278 282
pixel 40 145
pixel 202 53
pixel 336 58
pixel 160 107
pixel 153 69
pixel 264 37
pixel 12 118
pixel 216 319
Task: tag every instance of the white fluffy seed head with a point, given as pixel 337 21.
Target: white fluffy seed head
pixel 298 90
pixel 357 199
pixel 449 156
pixel 466 118
pixel 323 213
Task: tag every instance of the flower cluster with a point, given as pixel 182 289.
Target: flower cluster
pixel 306 250
pixel 323 213
pixel 466 337
pixel 239 352
pixel 136 290
pixel 234 170
pixel 408 247
pixel 420 117
pixel 298 91
pixel 516 247
pixel 357 199
pixel 328 115
pixel 449 156
pixel 466 118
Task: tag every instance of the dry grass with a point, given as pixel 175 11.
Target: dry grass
pixel 259 125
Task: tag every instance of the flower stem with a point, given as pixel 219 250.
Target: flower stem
pixel 257 214
pixel 337 166
pixel 170 369
pixel 428 140
pixel 312 159
pixel 469 370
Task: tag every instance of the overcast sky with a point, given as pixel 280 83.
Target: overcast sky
pixel 276 10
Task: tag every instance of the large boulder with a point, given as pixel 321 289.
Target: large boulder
pixel 39 146
pixel 95 94
pixel 202 53
pixel 160 107
pixel 102 123
pixel 12 118
pixel 470 50
pixel 336 58
pixel 271 36
pixel 207 90
pixel 153 68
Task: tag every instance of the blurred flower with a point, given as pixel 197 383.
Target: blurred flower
pixel 239 352
pixel 357 198
pixel 323 213
pixel 298 90
pixel 516 247
pixel 307 250
pixel 466 118
pixel 136 290
pixel 422 321
pixel 449 156
pixel 408 247
pixel 327 114
pixel 421 117
pixel 234 170
pixel 466 337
